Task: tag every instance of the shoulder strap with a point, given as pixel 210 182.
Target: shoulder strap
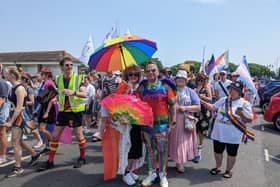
pixel 224 90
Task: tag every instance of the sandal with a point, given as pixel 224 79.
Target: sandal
pixel 180 168
pixel 215 171
pixel 227 174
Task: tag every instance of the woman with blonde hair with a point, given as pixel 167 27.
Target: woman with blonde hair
pixel 18 120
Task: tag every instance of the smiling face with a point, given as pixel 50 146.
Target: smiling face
pixel 67 67
pixel 133 77
pixel 180 82
pixel 152 72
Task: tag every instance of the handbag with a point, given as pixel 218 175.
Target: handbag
pixel 190 122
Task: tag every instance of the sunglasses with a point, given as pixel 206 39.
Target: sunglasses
pixel 68 65
pixel 200 80
pixel 222 74
pixel 133 74
pixel 151 70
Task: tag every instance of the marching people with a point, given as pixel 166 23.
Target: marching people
pixel 18 120
pixel 132 76
pixel 109 86
pixel 182 140
pixel 4 114
pixel 71 106
pixel 87 116
pixel 229 131
pixel 221 86
pixel 162 98
pixel 30 99
pixel 204 92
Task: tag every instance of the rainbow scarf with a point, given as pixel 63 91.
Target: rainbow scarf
pixel 237 123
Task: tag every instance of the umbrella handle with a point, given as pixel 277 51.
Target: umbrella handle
pixel 120 46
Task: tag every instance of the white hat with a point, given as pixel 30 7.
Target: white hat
pixel 117 72
pixel 223 71
pixel 181 74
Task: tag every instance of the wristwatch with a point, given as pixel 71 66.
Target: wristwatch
pixel 173 123
pixel 75 93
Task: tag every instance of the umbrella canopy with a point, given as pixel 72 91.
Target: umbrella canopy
pixel 121 52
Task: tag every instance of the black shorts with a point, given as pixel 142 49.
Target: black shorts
pixel 219 148
pixel 135 151
pixel 70 119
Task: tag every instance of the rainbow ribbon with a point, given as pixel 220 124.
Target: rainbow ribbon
pixel 237 123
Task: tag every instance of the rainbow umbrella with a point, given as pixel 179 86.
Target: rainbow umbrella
pixel 121 52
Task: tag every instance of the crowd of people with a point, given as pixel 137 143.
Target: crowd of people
pixel 187 107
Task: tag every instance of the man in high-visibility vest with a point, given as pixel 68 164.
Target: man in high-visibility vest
pixel 71 106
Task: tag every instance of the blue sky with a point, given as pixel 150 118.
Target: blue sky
pixel 180 27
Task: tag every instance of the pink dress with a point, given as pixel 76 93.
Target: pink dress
pixel 182 144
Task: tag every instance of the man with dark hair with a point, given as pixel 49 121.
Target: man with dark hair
pixel 160 95
pixel 71 106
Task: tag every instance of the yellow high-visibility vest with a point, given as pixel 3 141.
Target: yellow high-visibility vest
pixel 77 104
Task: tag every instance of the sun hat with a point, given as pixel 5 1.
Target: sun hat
pixel 181 74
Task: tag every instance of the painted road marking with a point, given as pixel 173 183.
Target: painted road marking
pixel 266 155
pixel 13 161
pixel 274 157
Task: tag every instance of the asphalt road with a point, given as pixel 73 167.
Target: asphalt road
pixel 258 165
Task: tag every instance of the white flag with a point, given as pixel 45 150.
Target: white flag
pixel 87 51
pixel 128 32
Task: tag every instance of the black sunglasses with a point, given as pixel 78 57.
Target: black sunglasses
pixel 67 65
pixel 134 74
pixel 151 70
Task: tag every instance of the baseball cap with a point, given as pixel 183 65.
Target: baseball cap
pixel 238 86
pixel 223 72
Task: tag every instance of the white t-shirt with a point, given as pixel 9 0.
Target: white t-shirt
pixel 223 130
pixel 90 92
pixel 219 88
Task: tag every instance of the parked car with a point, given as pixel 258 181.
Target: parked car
pixel 272 112
pixel 268 87
pixel 265 98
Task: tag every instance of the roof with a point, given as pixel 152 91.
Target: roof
pixel 35 56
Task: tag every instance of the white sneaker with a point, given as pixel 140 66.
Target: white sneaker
pixel 9 137
pixel 199 154
pixel 86 130
pixel 3 160
pixel 148 181
pixel 39 145
pixel 128 179
pixel 163 180
pixel 134 176
pixel 11 151
pixel 24 137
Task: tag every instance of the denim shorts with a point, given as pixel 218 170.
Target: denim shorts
pixel 4 113
pixel 21 120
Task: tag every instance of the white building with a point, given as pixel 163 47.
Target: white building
pixel 33 61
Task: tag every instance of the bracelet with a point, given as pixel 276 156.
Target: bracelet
pixel 75 93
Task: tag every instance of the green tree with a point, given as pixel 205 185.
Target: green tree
pixel 155 60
